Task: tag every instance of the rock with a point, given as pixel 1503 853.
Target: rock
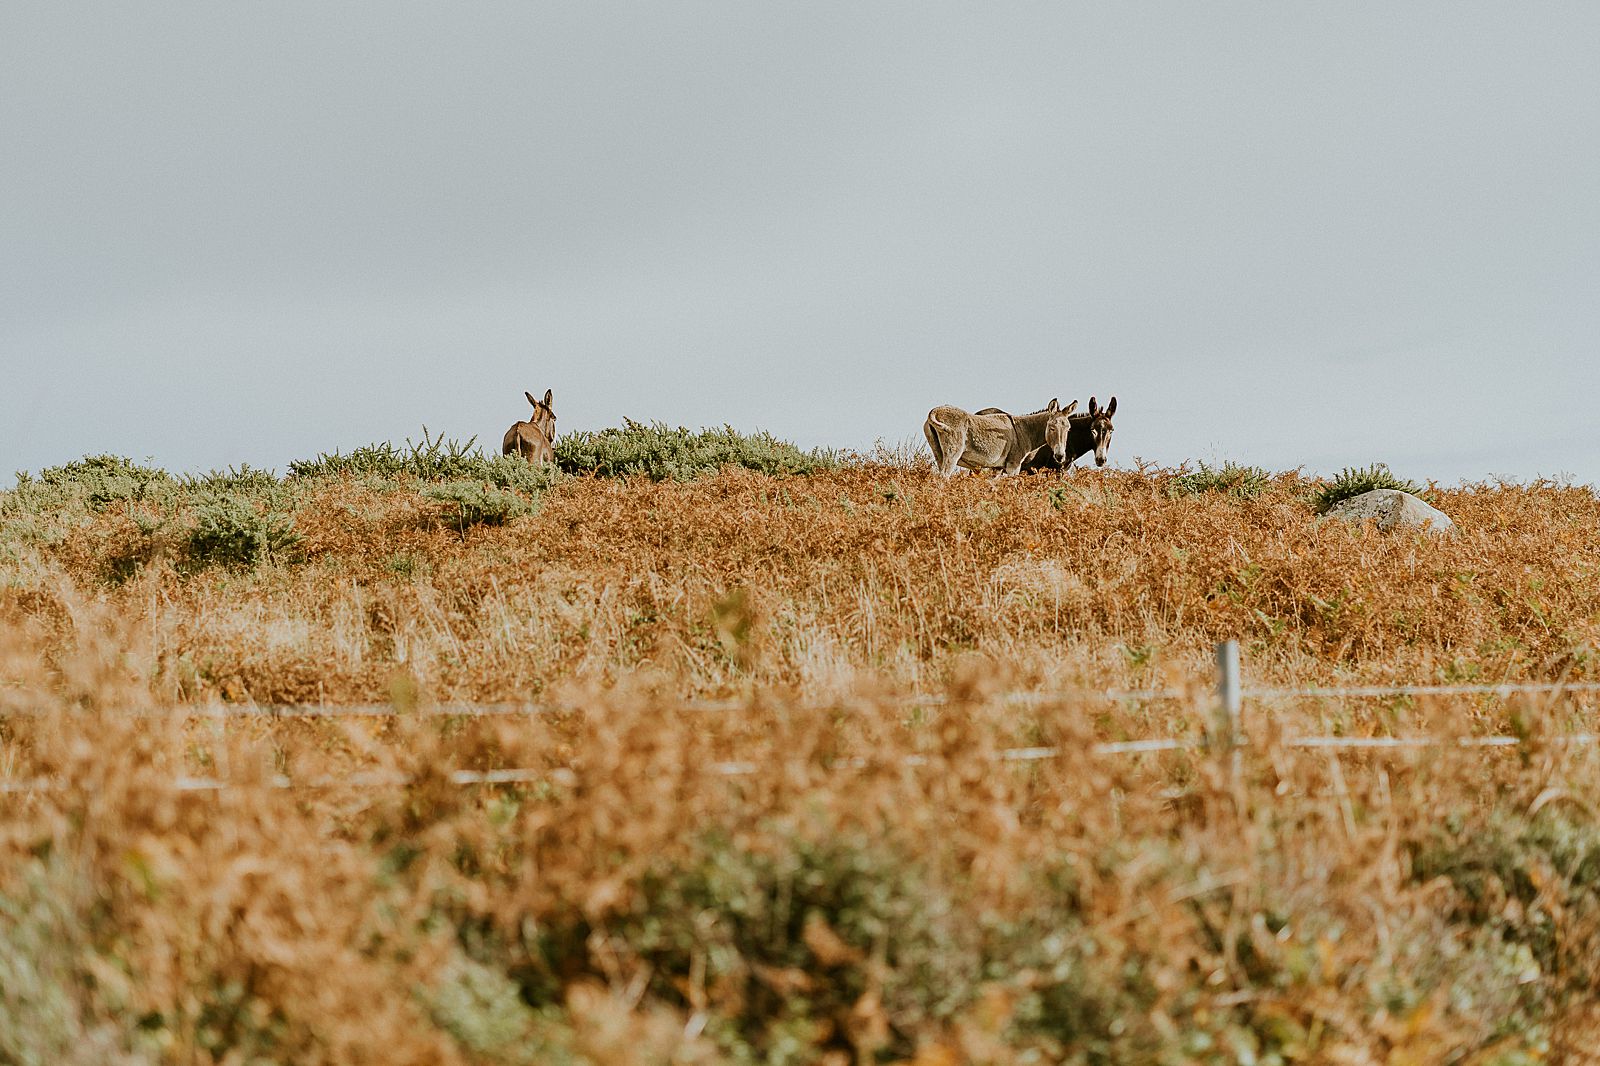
pixel 1389 508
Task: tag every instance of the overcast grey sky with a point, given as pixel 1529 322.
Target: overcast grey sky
pixel 1287 234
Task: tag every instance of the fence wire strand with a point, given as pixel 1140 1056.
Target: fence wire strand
pixel 526 708
pixel 736 768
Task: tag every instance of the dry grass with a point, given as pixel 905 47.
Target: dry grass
pixel 879 569
pixel 841 902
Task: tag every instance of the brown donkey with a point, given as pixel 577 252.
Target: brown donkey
pixel 533 439
pixel 992 441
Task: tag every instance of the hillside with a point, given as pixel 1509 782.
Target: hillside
pixel 1099 578
pixel 764 809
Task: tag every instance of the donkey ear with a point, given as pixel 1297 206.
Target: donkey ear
pixel 1094 408
pixel 1111 408
pixel 1071 407
pixel 1053 405
pixel 531 400
pixel 550 398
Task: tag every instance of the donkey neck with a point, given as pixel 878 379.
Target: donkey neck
pixel 1030 428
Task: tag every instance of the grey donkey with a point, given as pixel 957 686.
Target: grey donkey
pixel 994 440
pixel 533 439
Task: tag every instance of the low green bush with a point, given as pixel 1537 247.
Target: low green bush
pixel 97 481
pixel 1232 479
pixel 786 941
pixel 517 474
pixel 744 923
pixel 1353 481
pixel 1552 855
pixel 662 453
pixel 230 532
pixel 44 1015
pixel 476 503
pixel 243 480
pixel 434 459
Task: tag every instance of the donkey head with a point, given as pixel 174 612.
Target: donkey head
pixel 544 414
pixel 1100 428
pixel 1057 428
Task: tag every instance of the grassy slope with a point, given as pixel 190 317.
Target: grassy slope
pixel 1432 905
pixel 881 569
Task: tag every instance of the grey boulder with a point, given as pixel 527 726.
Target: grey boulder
pixel 1389 509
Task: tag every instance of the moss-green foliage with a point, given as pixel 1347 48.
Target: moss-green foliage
pixel 662 453
pixel 1233 479
pixel 230 531
pixel 789 941
pixel 102 480
pixel 485 1012
pixel 821 907
pixel 1555 855
pixel 434 459
pixel 92 484
pixel 43 510
pixel 1353 481
pixel 67 998
pixel 42 1016
pixel 475 503
pixel 241 517
pixel 518 475
pixel 243 480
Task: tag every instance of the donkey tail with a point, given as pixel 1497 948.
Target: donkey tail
pixel 946 440
pixel 930 429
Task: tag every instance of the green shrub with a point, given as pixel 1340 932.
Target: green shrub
pixel 867 915
pixel 435 459
pixel 828 906
pixel 102 480
pixel 479 504
pixel 43 510
pixel 243 480
pixel 479 1007
pixel 517 474
pixel 665 454
pixel 39 1015
pixel 229 531
pixel 1550 855
pixel 1234 479
pixel 1353 481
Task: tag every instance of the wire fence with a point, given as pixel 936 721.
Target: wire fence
pixel 514 709
pixel 1226 735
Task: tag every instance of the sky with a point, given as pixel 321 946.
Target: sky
pixel 1291 235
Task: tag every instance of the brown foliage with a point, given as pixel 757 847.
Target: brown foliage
pixel 819 870
pixel 878 569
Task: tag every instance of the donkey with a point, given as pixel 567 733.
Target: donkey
pixel 992 440
pixel 1088 432
pixel 533 439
